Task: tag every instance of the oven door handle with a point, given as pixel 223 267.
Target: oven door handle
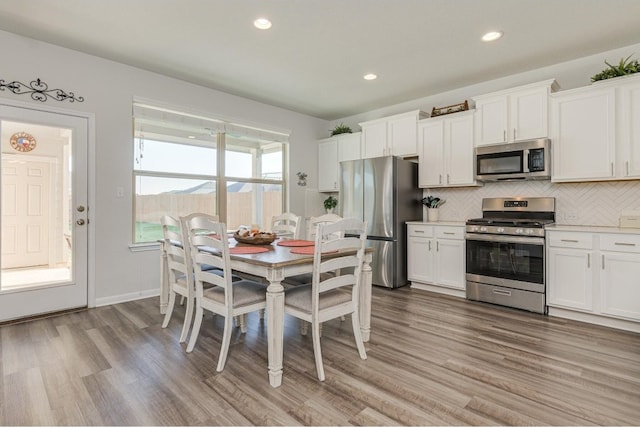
pixel 501 238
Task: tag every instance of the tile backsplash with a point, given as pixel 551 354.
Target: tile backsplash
pixel 587 203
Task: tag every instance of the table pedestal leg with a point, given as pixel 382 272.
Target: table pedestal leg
pixel 275 329
pixel 365 298
pixel 164 278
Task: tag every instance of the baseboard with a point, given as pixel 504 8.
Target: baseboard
pixel 438 289
pixel 595 319
pixel 116 299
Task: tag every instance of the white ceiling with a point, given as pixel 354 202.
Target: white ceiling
pixel 313 59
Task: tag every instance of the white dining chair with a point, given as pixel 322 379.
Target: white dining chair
pixel 336 296
pixel 287 225
pixel 224 297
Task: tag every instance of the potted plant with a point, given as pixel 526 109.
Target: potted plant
pixel 623 68
pixel 330 204
pixel 432 203
pixel 341 128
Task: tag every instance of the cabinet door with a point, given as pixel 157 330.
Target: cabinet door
pixel 528 114
pixel 374 140
pixel 403 136
pixel 328 165
pixel 349 147
pixel 491 120
pixel 620 284
pixel 420 259
pixel 583 135
pixel 459 158
pixel 570 278
pixel 630 130
pixel 450 262
pixel 431 164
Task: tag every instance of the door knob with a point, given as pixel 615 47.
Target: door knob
pixel 80 222
pixel 80 208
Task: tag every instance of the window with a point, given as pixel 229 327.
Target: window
pixel 185 163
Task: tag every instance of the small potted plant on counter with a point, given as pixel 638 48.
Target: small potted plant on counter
pixel 330 204
pixel 432 203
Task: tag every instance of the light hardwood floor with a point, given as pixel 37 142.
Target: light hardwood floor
pixel 433 360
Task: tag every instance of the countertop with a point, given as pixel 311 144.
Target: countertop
pixel 592 229
pixel 450 223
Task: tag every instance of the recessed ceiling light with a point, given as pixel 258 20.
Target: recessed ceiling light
pixel 262 23
pixel 370 76
pixel 191 137
pixel 491 36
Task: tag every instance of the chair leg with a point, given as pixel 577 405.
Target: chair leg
pixel 355 321
pixel 188 317
pixel 262 314
pixel 243 323
pixel 181 299
pixel 170 304
pixel 236 321
pixel 315 331
pixel 196 328
pixel 304 327
pixel 226 340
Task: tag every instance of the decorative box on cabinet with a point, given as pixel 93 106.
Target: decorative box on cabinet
pixel 332 151
pixel 513 115
pixel 595 131
pixel 593 277
pixel 445 147
pixel 436 257
pixel 391 136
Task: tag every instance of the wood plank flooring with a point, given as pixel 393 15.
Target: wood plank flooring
pixel 432 360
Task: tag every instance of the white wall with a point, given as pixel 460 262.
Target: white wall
pixel 109 88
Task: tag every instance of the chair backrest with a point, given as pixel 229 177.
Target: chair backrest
pixel 208 246
pixel 314 221
pixel 287 224
pixel 174 248
pixel 350 262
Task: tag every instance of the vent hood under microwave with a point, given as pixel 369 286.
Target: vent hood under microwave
pixel 516 161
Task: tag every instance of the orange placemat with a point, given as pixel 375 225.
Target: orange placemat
pixel 307 250
pixel 295 243
pixel 240 250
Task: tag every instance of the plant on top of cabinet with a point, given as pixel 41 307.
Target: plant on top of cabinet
pixel 341 128
pixel 623 68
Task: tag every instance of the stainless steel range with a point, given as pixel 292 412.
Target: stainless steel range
pixel 505 252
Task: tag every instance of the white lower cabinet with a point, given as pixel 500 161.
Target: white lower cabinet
pixel 594 273
pixel 436 257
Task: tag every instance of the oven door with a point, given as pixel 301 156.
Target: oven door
pixel 509 261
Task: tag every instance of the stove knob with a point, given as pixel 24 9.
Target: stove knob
pixel 500 229
pixel 483 229
pixel 519 231
pixel 530 231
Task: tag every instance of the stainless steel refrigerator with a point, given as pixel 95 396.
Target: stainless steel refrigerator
pixel 384 192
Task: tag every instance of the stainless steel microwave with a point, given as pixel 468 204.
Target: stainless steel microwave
pixel 514 161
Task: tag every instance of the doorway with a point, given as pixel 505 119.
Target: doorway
pixel 43 189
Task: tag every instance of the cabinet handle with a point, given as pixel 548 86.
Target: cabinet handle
pixel 624 244
pixel 569 240
pixel 437 246
pixel 514 134
pixel 627 166
pixel 429 245
pixel 447 178
pixel 501 292
pixel 504 135
pixel 611 168
pixel 439 179
pixel 448 232
pixel 603 262
pixel 588 260
pixel 418 231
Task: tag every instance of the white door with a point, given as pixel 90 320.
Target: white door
pixel 44 211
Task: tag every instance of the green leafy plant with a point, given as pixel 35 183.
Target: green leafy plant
pixel 341 128
pixel 330 202
pixel 625 67
pixel 432 202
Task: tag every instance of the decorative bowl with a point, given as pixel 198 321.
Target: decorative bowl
pixel 261 238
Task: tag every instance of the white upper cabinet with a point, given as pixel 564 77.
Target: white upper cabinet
pixel 391 136
pixel 446 151
pixel 332 151
pixel 583 134
pixel 513 115
pixel 595 131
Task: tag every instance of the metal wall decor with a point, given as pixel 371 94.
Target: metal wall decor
pixel 302 179
pixel 23 142
pixel 39 91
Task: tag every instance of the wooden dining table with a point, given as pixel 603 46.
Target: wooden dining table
pixel 274 265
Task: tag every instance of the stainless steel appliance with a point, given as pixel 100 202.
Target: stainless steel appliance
pixel 384 192
pixel 514 161
pixel 505 252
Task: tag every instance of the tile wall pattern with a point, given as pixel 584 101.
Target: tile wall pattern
pixel 589 203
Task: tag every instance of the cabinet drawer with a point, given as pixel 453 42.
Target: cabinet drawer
pixel 449 233
pixel 416 230
pixel 620 243
pixel 570 240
